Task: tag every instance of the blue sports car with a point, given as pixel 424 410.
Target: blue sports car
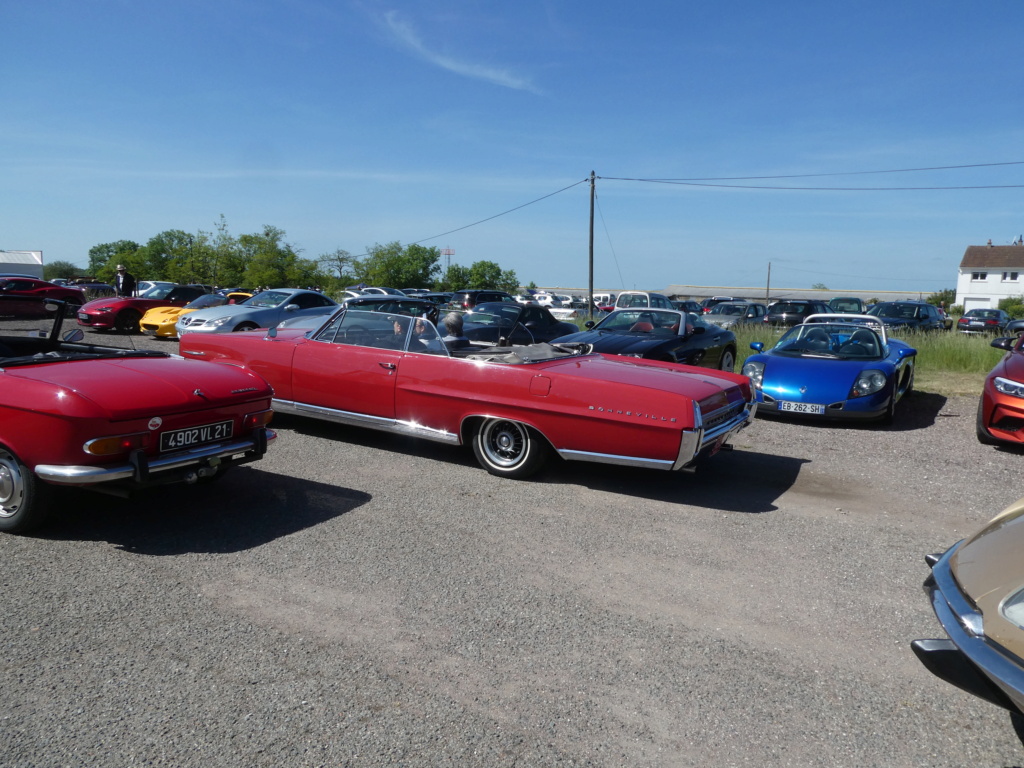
pixel 833 366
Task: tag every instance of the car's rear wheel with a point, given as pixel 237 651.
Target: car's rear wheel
pixel 128 321
pixel 984 436
pixel 728 361
pixel 246 327
pixel 24 499
pixel 509 449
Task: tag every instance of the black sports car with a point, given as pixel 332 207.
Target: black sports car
pixel 517 323
pixel 660 334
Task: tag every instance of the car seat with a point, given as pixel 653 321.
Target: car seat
pixel 861 343
pixel 642 326
pixel 817 338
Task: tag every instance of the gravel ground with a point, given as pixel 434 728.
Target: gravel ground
pixel 358 599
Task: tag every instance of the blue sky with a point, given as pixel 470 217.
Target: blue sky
pixel 353 123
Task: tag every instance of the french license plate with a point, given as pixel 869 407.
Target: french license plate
pixel 82 316
pixel 185 438
pixel 976 324
pixel 786 405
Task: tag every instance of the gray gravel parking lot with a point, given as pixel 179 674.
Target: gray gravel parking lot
pixel 358 599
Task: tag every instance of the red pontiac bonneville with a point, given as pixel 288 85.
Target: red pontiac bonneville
pixel 123 313
pixel 101 417
pixel 514 405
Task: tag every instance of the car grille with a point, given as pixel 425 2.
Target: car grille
pixel 1009 424
pixel 716 416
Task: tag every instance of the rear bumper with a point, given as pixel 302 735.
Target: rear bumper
pixel 180 466
pixel 968 659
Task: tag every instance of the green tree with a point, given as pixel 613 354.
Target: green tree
pixel 104 258
pixel 339 263
pixel 398 267
pixel 1014 305
pixel 944 297
pixel 268 259
pixel 60 269
pixel 819 287
pixel 169 255
pixel 484 274
pixel 454 278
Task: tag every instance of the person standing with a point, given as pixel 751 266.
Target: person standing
pixel 124 283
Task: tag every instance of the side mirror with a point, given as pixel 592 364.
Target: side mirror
pixel 589 324
pixel 291 307
pixel 1003 342
pixel 757 346
pixel 76 335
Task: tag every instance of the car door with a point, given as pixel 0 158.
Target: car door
pixel 352 365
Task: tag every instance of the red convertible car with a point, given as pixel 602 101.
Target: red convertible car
pixel 123 313
pixel 102 417
pixel 31 287
pixel 514 405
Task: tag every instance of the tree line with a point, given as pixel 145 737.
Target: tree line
pixel 266 259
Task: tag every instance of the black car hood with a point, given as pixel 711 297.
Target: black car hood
pixel 614 343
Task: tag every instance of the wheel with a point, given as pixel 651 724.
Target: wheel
pixel 509 449
pixel 24 499
pixel 127 321
pixel 245 327
pixel 984 437
pixel 728 361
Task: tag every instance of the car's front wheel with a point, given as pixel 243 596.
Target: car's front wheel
pixel 246 327
pixel 728 361
pixel 24 499
pixel 509 449
pixel 128 321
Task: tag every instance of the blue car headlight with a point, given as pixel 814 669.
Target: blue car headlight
pixel 754 370
pixel 867 383
pixel 1009 387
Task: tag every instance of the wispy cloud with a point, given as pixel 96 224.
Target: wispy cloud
pixel 405 34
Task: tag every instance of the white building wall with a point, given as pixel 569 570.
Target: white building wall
pixel 986 292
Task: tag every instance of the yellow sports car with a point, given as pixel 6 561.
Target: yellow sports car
pixel 159 321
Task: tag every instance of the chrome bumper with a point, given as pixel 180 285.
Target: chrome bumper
pixel 139 469
pixel 968 659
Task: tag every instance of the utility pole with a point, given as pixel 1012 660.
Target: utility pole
pixel 768 285
pixel 590 293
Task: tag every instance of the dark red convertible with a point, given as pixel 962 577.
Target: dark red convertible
pixel 515 405
pixel 103 417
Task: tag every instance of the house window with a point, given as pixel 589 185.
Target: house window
pixel 979 276
pixel 1010 277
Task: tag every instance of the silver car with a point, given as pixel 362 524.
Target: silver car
pixel 260 311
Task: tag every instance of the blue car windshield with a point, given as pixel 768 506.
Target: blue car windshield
pixel 833 341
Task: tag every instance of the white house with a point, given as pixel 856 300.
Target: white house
pixel 989 273
pixel 22 262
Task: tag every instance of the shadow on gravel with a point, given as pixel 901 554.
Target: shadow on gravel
pixel 732 481
pixel 245 509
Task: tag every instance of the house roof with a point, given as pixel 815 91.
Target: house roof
pixel 993 257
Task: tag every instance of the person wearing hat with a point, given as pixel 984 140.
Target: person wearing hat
pixel 124 283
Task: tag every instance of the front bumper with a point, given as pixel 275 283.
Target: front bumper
pixel 181 466
pixel 862 408
pixel 968 659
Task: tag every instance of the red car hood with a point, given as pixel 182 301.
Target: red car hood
pixel 136 387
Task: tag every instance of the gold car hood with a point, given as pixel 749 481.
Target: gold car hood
pixel 989 566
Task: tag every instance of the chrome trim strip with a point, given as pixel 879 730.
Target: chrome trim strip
pixel 379 423
pixel 60 474
pixel 696 440
pixel 964 625
pixel 608 458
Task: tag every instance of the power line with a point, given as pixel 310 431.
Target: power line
pixel 845 173
pixel 813 189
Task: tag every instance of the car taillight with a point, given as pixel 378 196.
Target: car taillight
pixel 991 322
pixel 111 446
pixel 261 419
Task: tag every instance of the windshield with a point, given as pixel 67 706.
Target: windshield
pixel 206 300
pixel 728 309
pixel 159 291
pixel 894 310
pixel 267 299
pixel 632 300
pixel 494 313
pixel 843 341
pixel 661 321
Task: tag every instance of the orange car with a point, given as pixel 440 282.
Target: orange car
pixel 1001 407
